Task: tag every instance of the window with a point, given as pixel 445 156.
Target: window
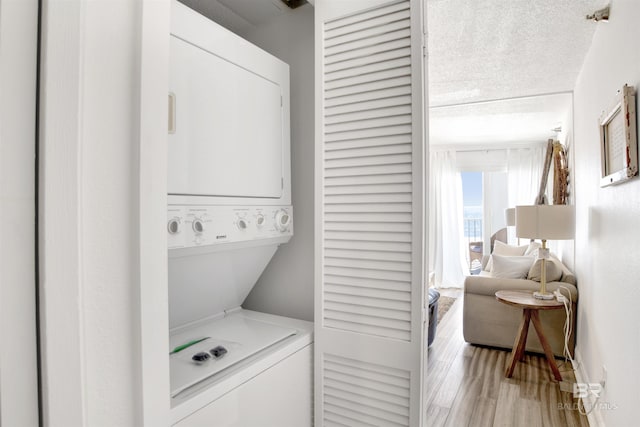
pixel 472 217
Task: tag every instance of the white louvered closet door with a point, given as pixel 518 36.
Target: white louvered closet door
pixel 370 210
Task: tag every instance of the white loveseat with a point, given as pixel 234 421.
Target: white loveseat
pixel 486 321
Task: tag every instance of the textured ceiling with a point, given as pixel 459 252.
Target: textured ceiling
pixel 522 120
pixel 495 49
pixel 494 66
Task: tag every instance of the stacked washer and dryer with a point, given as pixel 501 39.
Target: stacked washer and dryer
pixel 229 209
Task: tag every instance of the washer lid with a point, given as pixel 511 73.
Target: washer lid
pixel 242 337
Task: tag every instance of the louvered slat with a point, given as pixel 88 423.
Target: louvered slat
pixel 351 278
pixel 367 274
pixel 368 264
pixel 337 298
pixel 364 325
pixel 370 255
pixel 365 392
pixel 366 245
pixel 368 292
pixel 375 76
pixel 388 159
pixel 368 123
pixel 367 33
pixel 380 17
pixel 382 227
pixel 368 207
pixel 376 141
pixel 365 70
pixel 369 170
pixel 360 115
pixel 369 96
pixel 367 198
pixel 378 150
pixel 349 217
pixel 364 51
pixel 359 43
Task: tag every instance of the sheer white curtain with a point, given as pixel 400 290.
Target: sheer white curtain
pixel 446 242
pixel 524 170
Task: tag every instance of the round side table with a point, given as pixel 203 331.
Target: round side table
pixel 530 307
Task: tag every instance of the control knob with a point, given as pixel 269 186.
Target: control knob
pixel 260 220
pixel 174 226
pixel 283 220
pixel 242 224
pixel 198 225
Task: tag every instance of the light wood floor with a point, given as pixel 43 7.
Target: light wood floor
pixel 466 385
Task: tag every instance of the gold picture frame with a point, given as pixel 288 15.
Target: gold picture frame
pixel 618 139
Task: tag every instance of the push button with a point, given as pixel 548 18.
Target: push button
pixel 218 351
pixel 201 357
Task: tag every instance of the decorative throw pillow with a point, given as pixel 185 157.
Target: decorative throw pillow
pixel 532 248
pixel 553 274
pixel 511 267
pixel 500 248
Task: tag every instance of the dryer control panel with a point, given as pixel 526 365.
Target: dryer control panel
pixel 194 226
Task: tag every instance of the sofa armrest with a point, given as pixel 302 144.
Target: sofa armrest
pixel 567 275
pixel 487 285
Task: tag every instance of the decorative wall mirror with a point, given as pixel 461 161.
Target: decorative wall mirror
pixel 618 139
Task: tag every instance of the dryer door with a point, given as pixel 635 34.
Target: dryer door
pixel 228 127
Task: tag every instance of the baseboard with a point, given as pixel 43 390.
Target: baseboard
pixel 595 416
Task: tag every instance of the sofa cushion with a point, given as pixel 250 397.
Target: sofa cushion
pixel 553 273
pixel 500 248
pixel 511 267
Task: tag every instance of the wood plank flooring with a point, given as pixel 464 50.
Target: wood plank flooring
pixel 466 385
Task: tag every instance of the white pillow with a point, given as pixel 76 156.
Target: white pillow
pixel 552 267
pixel 532 248
pixel 501 248
pixel 511 267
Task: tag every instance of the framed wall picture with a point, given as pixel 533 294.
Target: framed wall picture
pixel 618 139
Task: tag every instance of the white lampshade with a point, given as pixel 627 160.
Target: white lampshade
pixel 510 217
pixel 545 222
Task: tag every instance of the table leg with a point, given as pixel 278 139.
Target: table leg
pixel 545 345
pixel 520 342
pixel 525 331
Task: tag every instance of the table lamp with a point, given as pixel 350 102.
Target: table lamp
pixel 545 222
pixel 510 216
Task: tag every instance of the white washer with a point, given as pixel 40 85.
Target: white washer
pixel 257 367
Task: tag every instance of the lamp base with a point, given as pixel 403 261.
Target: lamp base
pixel 546 295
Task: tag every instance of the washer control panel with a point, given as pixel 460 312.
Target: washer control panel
pixel 192 226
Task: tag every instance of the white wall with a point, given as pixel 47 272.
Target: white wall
pixel 286 286
pixel 608 238
pixel 18 352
